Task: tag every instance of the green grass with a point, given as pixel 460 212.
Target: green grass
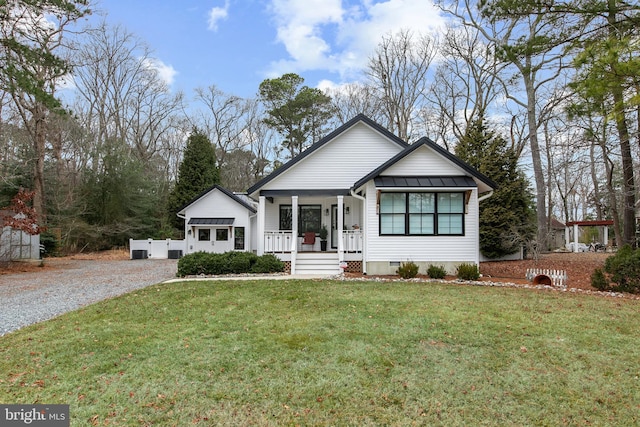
pixel 333 353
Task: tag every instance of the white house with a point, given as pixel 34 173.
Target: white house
pixel 218 221
pixel 382 201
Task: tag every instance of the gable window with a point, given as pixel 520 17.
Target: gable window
pixel 222 234
pixel 204 234
pixel 422 214
pixel 309 218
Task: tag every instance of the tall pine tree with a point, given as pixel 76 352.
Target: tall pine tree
pixel 198 172
pixel 507 218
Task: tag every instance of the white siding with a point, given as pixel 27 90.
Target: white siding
pixel 422 248
pixel 353 218
pixel 423 161
pixel 340 162
pixel 216 204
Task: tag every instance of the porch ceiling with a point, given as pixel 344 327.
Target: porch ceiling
pixel 306 192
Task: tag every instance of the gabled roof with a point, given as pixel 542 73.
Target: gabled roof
pixel 317 145
pixel 424 141
pixel 223 190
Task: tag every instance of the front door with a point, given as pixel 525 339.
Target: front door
pixel 334 227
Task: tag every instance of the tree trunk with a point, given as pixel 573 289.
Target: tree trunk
pixel 39 138
pixel 541 198
pixel 617 90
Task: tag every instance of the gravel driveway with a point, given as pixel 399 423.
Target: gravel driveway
pixel 27 298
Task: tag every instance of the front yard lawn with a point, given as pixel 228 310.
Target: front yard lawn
pixel 314 352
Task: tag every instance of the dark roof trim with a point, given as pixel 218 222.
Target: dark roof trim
pixel 224 191
pixel 323 141
pixel 305 192
pixel 424 141
pixel 211 221
pixel 424 181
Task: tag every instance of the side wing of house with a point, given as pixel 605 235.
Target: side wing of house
pixel 422 206
pixel 218 221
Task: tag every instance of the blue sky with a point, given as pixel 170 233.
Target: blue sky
pixel 236 44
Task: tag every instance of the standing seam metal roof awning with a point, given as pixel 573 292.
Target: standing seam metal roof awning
pixel 424 181
pixel 211 221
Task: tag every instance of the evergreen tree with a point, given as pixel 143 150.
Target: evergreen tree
pixel 299 113
pixel 198 171
pixel 507 218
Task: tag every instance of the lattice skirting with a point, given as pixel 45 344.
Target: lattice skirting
pixel 353 267
pixel 287 266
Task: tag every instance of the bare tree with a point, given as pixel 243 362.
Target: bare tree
pixel 352 99
pixel 528 43
pixel 465 84
pixel 398 72
pixel 224 120
pixel 32 71
pixel 120 94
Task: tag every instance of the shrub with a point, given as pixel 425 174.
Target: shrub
pixel 407 270
pixel 599 280
pixel 227 263
pixel 193 264
pixel 436 272
pixel 49 242
pixel 268 263
pixel 623 268
pixel 239 262
pixel 468 272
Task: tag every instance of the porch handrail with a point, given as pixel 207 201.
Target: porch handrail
pixel 277 241
pixel 352 240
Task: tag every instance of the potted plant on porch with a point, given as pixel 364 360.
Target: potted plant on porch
pixel 323 238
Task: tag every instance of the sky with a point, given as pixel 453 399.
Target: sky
pixel 236 44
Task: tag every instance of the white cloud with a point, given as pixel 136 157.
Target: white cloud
pixel 166 72
pixel 325 35
pixel 216 14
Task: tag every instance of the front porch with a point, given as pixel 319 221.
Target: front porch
pixel 284 221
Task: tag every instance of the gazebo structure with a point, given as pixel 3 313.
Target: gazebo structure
pixel 576 224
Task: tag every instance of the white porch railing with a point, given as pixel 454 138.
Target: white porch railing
pixel 352 240
pixel 277 241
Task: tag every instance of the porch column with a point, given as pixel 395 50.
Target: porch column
pixel 575 237
pixel 567 236
pixel 260 221
pixel 294 232
pixel 605 236
pixel 340 228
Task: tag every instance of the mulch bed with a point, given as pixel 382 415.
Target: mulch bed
pixel 579 267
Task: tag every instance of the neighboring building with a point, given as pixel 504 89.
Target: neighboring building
pixel 382 201
pixel 557 239
pixel 17 244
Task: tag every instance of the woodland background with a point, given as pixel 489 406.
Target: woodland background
pixel 557 83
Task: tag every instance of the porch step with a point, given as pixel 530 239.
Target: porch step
pixel 320 263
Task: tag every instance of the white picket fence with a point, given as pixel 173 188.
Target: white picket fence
pixel 558 277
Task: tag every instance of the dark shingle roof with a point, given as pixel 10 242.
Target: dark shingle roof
pixel 211 221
